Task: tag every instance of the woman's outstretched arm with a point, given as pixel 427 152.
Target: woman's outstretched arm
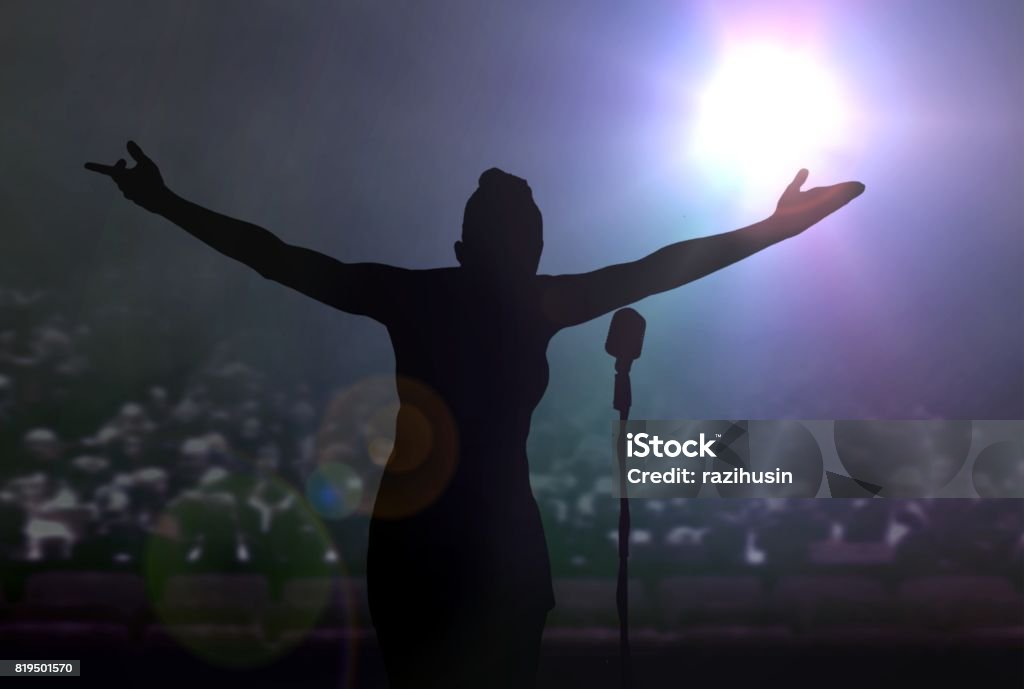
pixel 574 299
pixel 360 288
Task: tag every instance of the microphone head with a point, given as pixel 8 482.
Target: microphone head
pixel 626 335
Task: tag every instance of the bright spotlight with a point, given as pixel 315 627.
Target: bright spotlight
pixel 767 112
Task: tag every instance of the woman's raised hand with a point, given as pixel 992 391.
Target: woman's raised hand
pixel 797 210
pixel 141 184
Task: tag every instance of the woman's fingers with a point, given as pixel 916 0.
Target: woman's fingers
pixel 136 153
pixel 843 192
pixel 798 181
pixel 108 170
pixel 114 170
pixel 852 189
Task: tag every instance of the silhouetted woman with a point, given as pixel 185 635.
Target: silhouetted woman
pixel 458 573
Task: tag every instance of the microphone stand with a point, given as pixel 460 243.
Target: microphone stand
pixel 625 341
pixel 623 400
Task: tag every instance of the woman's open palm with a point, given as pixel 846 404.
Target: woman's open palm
pixel 801 209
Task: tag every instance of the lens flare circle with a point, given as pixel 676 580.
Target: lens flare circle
pixel 334 490
pixel 360 429
pixel 184 614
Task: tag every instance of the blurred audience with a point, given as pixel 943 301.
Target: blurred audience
pixel 218 474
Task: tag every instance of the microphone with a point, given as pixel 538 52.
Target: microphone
pixel 625 342
pixel 625 337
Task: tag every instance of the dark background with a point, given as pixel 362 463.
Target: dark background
pixel 359 128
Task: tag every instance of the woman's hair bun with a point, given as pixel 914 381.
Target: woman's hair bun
pixel 501 199
pixel 496 178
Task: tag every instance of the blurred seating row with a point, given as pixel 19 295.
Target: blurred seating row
pixel 797 602
pixel 338 605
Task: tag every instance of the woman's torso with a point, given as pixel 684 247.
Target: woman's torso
pixel 455 498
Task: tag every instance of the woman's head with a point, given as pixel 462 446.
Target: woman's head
pixel 502 229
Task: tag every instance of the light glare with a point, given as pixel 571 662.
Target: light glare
pixel 767 112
